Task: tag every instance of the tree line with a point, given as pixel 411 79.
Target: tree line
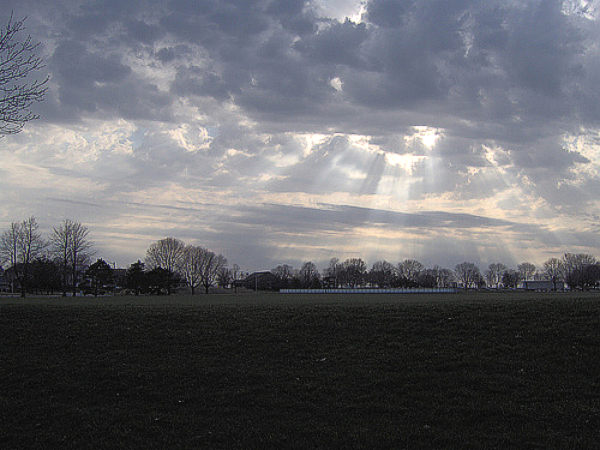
pixel 578 271
pixel 62 263
pixel 193 265
pixel 38 264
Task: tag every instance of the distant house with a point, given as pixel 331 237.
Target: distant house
pixel 541 285
pixel 261 281
pixel 119 277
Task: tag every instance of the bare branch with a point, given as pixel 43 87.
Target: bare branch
pixel 18 61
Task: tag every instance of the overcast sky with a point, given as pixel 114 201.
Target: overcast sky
pixel 285 131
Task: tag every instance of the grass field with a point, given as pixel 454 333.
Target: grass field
pixel 322 371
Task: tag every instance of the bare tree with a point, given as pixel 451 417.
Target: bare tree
pixel 494 274
pixel 427 278
pixel 211 265
pixel 9 244
pixel 410 269
pixel 190 265
pixel 574 266
pixel 354 271
pixel 32 245
pixel 526 270
pixel 467 273
pixel 334 271
pixel 511 278
pixel 20 245
pixel 18 61
pixel 309 275
pixel 60 242
pixel 224 277
pixel 236 274
pixel 554 270
pixel 72 247
pixel 444 276
pixel 80 250
pixel 382 274
pixel 284 272
pixel 201 267
pixel 166 254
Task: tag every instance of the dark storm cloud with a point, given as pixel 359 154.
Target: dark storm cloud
pixel 484 62
pixel 335 44
pixel 473 56
pixel 142 32
pixel 197 81
pixel 343 217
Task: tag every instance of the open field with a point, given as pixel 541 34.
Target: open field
pixel 272 371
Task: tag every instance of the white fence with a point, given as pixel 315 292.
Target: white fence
pixel 371 291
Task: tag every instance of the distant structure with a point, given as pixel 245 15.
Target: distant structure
pixel 542 285
pixel 263 280
pixel 371 291
pixel 119 277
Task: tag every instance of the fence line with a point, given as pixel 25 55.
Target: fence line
pixel 371 291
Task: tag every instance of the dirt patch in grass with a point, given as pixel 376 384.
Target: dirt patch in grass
pixel 469 372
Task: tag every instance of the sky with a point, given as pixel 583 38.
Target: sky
pixel 285 131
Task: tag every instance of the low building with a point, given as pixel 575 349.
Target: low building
pixel 261 281
pixel 119 278
pixel 541 285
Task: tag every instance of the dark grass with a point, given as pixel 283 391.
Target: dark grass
pixel 451 371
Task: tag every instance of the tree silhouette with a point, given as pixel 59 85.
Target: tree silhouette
pixel 18 61
pixel 72 247
pixel 136 279
pixel 19 246
pixel 554 270
pixel 165 254
pixel 99 275
pixel 467 273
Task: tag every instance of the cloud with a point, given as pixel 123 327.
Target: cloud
pixel 309 118
pixel 340 217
